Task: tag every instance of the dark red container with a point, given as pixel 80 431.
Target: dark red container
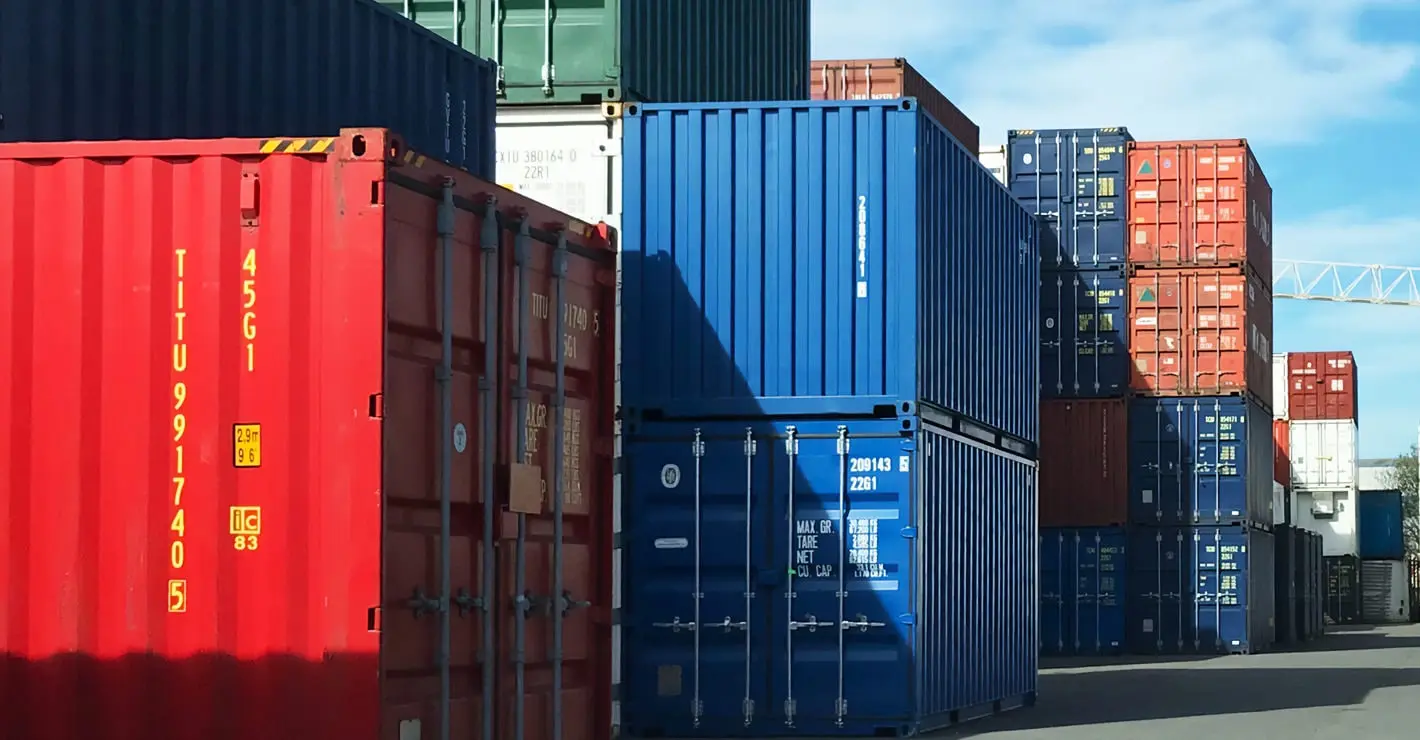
pixel 228 521
pixel 1084 478
pixel 874 79
pixel 1321 385
pixel 1202 332
pixel 1199 203
pixel 1281 456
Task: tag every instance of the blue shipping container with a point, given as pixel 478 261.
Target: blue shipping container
pixel 1380 528
pixel 1201 590
pixel 1084 334
pixel 845 258
pixel 150 69
pixel 1200 460
pixel 1082 586
pixel 1078 180
pixel 1290 545
pixel 924 605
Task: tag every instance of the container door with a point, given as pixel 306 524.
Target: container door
pixel 843 538
pixel 566 157
pixel 698 581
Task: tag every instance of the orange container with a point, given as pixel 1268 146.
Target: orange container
pixel 1281 458
pixel 1199 203
pixel 873 79
pixel 1321 385
pixel 1200 331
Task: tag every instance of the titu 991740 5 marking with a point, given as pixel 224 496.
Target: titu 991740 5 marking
pixel 176 596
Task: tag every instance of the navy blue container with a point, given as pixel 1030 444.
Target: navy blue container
pixel 1341 589
pixel 922 611
pixel 155 69
pixel 1201 590
pixel 1084 333
pixel 1200 460
pixel 1082 585
pixel 1290 584
pixel 840 258
pixel 1078 180
pixel 1380 529
pixel 1316 584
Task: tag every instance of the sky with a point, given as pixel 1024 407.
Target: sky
pixel 1326 91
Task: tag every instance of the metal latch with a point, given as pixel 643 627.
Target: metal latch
pixel 421 604
pixel 675 625
pixel 728 625
pixel 861 623
pixel 812 624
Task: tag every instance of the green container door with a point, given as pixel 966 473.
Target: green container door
pixel 664 51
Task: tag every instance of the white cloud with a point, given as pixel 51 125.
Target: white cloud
pixel 1276 71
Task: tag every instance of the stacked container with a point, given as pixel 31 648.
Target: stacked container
pixel 831 424
pixel 1341 595
pixel 1074 180
pixel 1199 259
pixel 1321 412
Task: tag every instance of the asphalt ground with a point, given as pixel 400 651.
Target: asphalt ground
pixel 1355 683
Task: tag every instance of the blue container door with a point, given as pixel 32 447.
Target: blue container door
pixel 1161 609
pixel 1189 461
pixel 701 514
pixel 844 654
pixel 1057 581
pixel 1076 179
pixel 1083 334
pixel 1194 590
pixel 1224 580
pixel 1099 604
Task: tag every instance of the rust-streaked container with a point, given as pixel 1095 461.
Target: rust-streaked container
pixel 1201 203
pixel 1200 331
pixel 241 376
pixel 878 79
pixel 1084 472
pixel 1281 457
pixel 1322 385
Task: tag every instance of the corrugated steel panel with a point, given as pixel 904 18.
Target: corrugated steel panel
pixel 251 538
pixel 1076 179
pixel 1342 594
pixel 1084 334
pixel 1323 455
pixel 1199 460
pixel 1084 471
pixel 1322 385
pixel 815 259
pixel 1199 203
pixel 1380 525
pixel 885 79
pixel 1291 546
pixel 925 605
pixel 666 51
pixel 1201 590
pixel 1281 457
pixel 1083 577
pixel 1279 385
pixel 1203 331
pixel 565 156
pixel 145 69
pixel 1385 591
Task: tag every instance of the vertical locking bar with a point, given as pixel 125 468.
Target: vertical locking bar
pixel 559 459
pixel 750 449
pixel 547 51
pixel 840 707
pixel 522 246
pixel 1218 459
pixel 489 239
pixel 791 448
pixel 695 706
pixel 443 377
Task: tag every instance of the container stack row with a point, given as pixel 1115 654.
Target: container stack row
pixel 1299 584
pixel 830 418
pixel 1315 404
pixel 1074 180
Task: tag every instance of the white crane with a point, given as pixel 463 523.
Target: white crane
pixel 1343 282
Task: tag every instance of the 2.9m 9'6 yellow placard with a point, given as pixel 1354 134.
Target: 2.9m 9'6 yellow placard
pixel 246 445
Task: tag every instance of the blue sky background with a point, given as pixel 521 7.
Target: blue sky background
pixel 1327 91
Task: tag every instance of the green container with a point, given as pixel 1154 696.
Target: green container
pixel 659 51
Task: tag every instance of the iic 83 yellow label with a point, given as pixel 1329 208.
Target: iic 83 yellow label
pixel 246 445
pixel 244 524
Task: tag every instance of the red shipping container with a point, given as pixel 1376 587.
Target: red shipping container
pixel 1281 457
pixel 1084 476
pixel 1200 331
pixel 1203 203
pixel 1322 385
pixel 284 365
pixel 877 79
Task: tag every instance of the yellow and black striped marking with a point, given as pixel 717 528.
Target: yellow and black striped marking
pixel 296 146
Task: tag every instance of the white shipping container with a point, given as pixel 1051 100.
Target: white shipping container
pixel 1323 454
pixel 1385 592
pixel 569 157
pixel 994 159
pixel 1279 386
pixel 1331 514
